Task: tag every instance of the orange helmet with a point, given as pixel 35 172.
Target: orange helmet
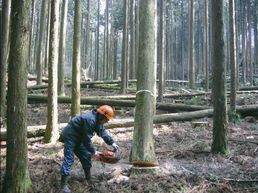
pixel 107 111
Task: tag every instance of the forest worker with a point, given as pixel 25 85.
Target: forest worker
pixel 76 137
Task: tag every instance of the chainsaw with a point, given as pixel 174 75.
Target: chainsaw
pixel 108 156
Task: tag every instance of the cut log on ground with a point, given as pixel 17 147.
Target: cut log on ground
pixel 248 88
pixel 34 98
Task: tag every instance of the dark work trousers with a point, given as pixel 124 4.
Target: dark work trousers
pixel 71 148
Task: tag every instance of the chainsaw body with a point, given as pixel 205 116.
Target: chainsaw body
pixel 108 156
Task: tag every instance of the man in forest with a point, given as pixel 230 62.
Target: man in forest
pixel 76 137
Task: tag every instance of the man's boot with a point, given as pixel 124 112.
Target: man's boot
pixel 87 174
pixel 64 184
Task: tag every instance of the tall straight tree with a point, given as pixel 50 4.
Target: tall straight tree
pixel 232 39
pixel 87 35
pixel 132 40
pixel 42 30
pixel 76 89
pixel 191 45
pixel 205 45
pixel 17 176
pixel 143 153
pixel 62 41
pixel 161 50
pixel 219 144
pixel 125 50
pixel 51 134
pixel 136 33
pixel 243 23
pixel 4 48
pixel 32 43
pixel 97 43
pixel 106 42
pixel 255 27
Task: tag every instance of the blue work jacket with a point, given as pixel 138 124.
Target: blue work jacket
pixel 81 129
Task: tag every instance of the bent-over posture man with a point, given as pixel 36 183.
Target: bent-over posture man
pixel 76 137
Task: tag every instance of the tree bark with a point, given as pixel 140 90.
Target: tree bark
pixel 4 48
pixel 76 90
pixel 124 64
pixel 161 51
pixel 16 174
pixel 132 40
pixel 62 44
pixel 143 143
pixel 51 134
pixel 191 45
pixel 232 40
pixel 219 144
pixel 42 30
pixel 97 44
pixel 205 43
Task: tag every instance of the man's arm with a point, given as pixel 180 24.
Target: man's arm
pixel 105 136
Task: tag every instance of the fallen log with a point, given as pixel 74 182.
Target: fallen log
pixel 248 88
pixel 37 131
pixel 251 110
pixel 35 98
pixel 34 78
pixel 83 84
pixel 247 110
pixel 179 107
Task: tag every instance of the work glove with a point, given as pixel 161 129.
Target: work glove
pixel 97 153
pixel 115 146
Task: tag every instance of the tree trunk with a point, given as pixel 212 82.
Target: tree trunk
pixel 46 51
pixel 17 175
pixel 87 35
pixel 51 134
pixel 106 42
pixel 219 144
pixel 115 55
pixel 191 46
pixel 232 55
pixel 76 90
pixel 97 45
pixel 32 42
pixel 42 30
pixel 205 43
pixel 255 27
pixel 143 143
pixel 132 40
pixel 249 61
pixel 4 48
pixel 62 45
pixel 243 19
pixel 124 50
pixel 136 35
pixel 161 51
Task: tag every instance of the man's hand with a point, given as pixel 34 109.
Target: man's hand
pixel 96 155
pixel 115 146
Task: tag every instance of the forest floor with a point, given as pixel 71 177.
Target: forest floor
pixel 182 149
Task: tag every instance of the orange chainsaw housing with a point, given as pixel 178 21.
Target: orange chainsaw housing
pixel 108 156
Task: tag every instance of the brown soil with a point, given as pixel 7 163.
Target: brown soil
pixel 182 149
